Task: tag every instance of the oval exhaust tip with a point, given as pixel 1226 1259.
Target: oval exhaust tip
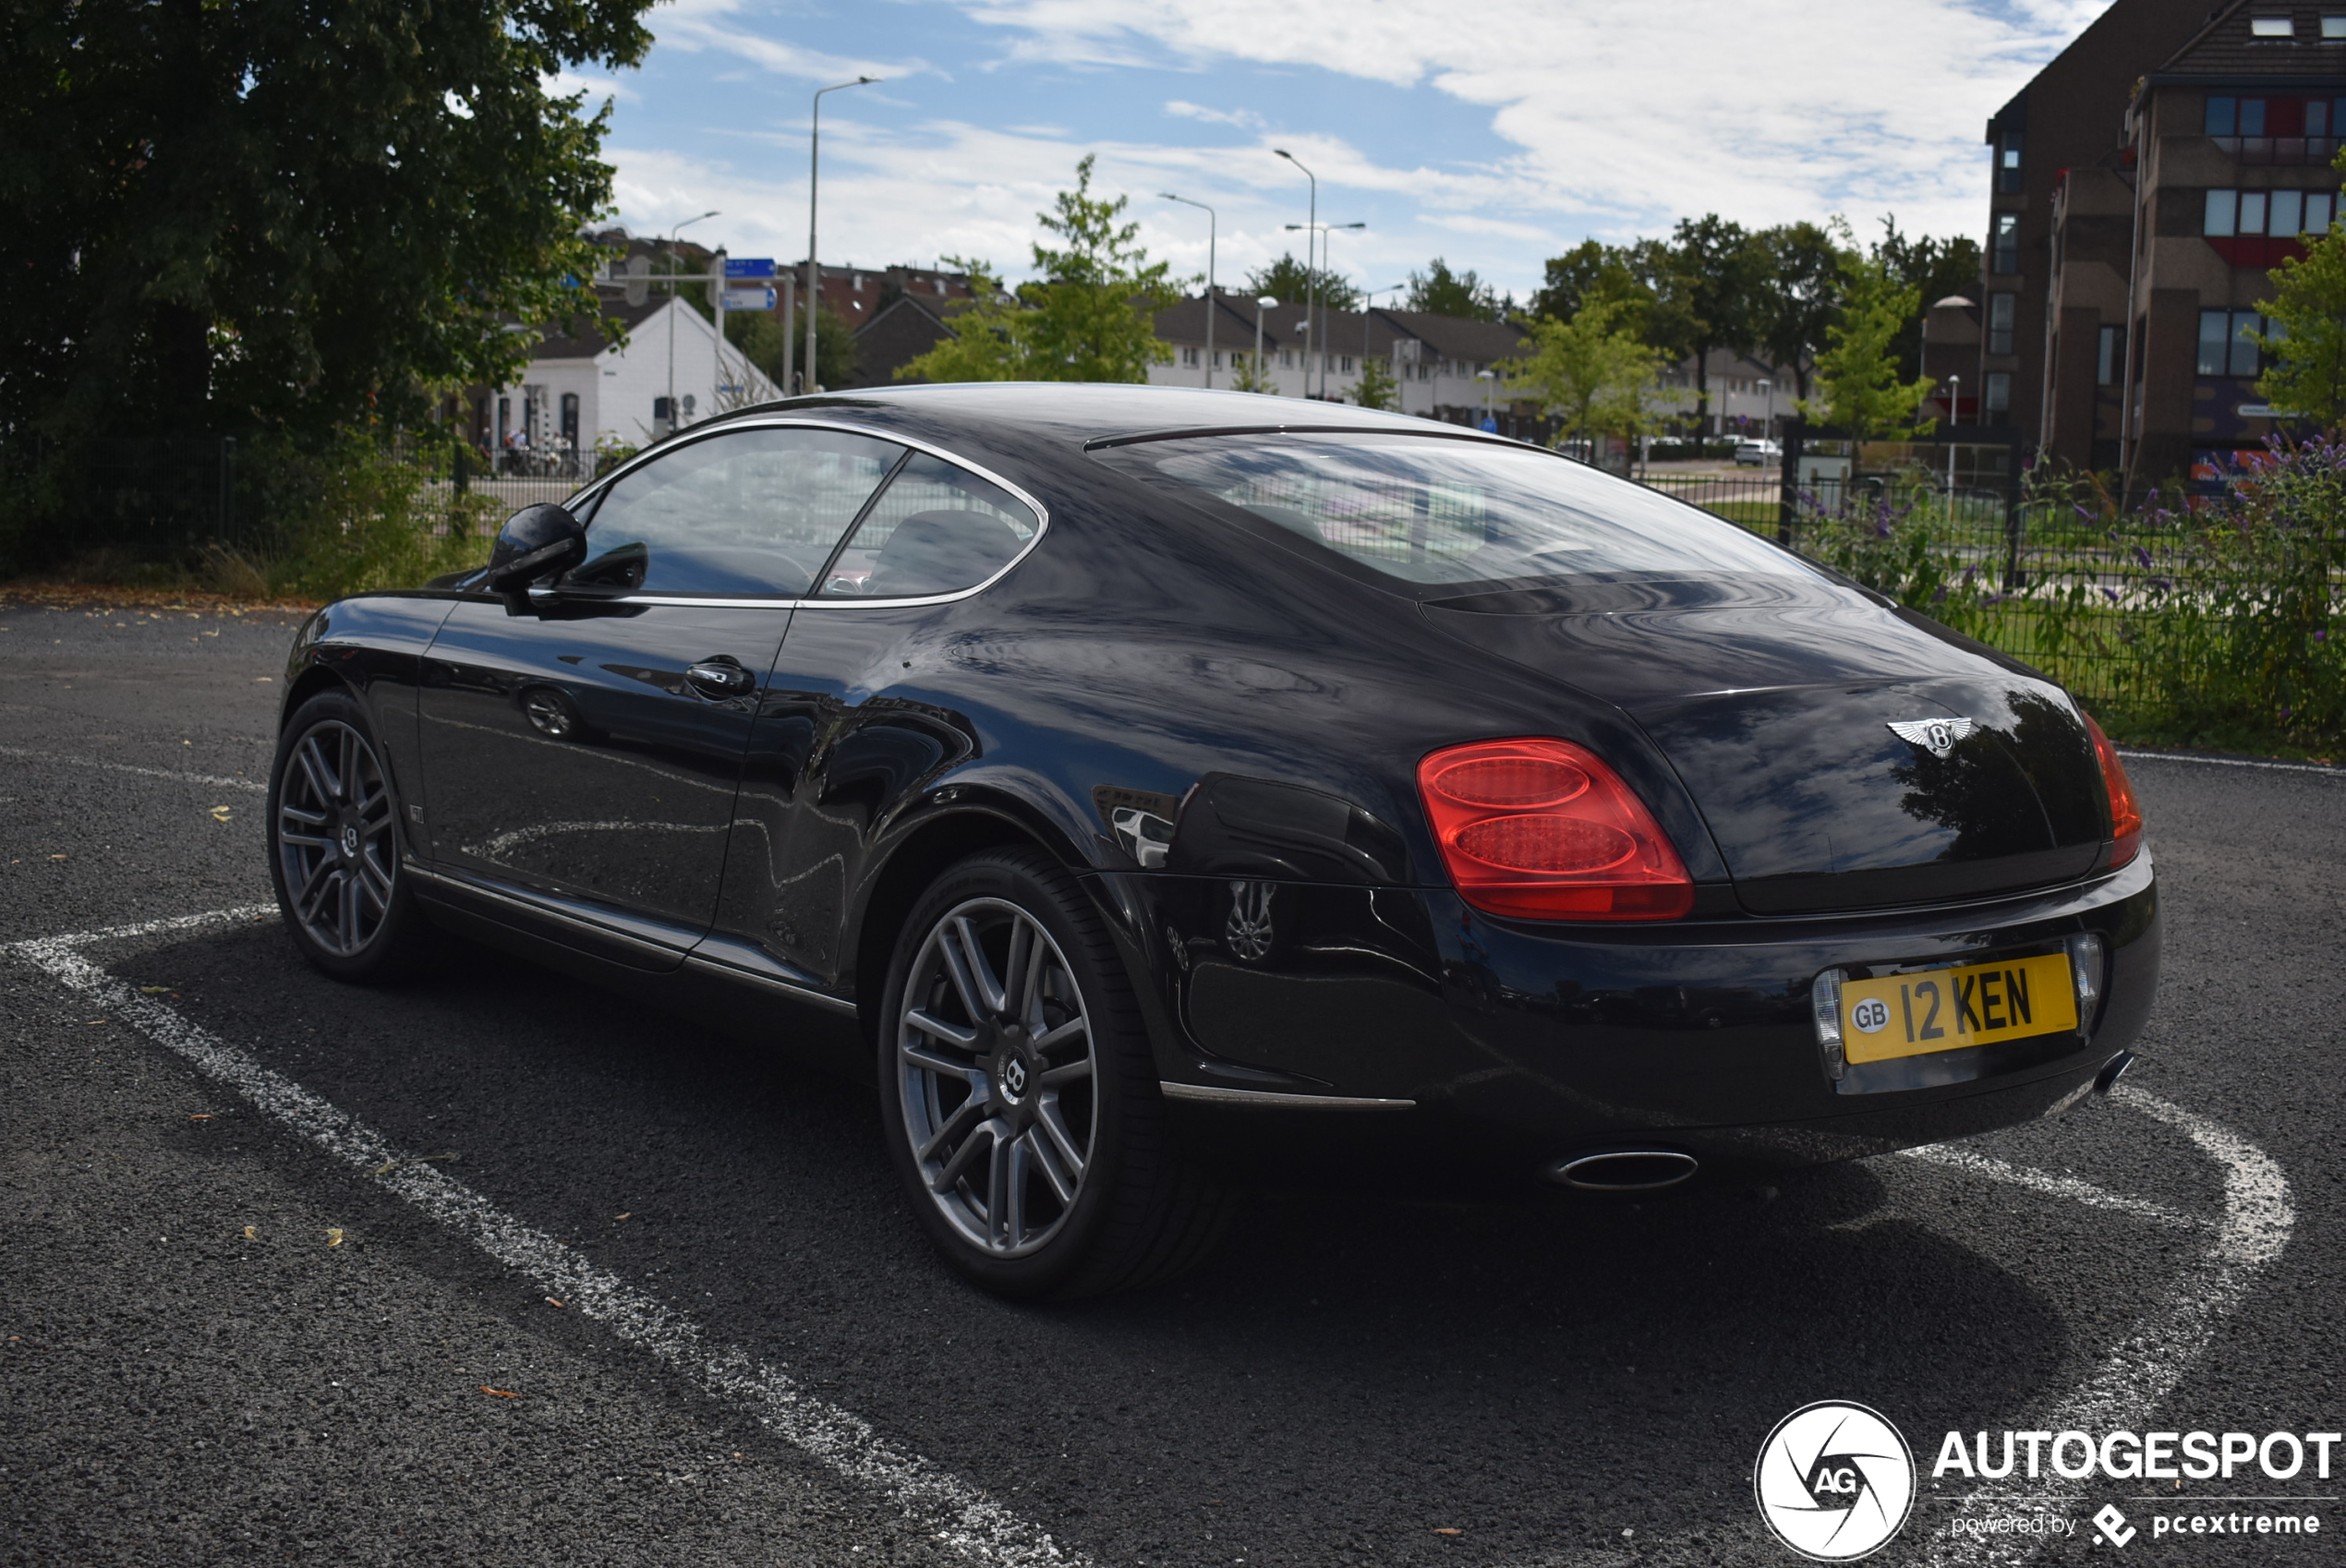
pixel 1625 1170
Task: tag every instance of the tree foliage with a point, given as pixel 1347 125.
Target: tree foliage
pixel 1090 316
pixel 1798 295
pixel 2306 342
pixel 272 214
pixel 1289 282
pixel 1591 373
pixel 1859 384
pixel 1934 269
pixel 1438 291
pixel 1379 387
pixel 780 351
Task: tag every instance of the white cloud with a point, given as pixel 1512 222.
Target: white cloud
pixel 1245 119
pixel 564 84
pixel 695 25
pixel 1761 110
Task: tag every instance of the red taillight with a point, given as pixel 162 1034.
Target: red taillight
pixel 1543 830
pixel 2125 813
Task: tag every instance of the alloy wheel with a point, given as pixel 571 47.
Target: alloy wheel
pixel 995 1071
pixel 334 840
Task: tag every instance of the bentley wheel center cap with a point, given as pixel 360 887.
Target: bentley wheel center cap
pixel 1015 1075
pixel 350 840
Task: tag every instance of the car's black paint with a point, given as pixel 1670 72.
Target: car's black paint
pixel 1222 733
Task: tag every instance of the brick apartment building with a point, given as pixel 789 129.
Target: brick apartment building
pixel 2146 183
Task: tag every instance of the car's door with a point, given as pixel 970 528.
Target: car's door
pixel 853 725
pixel 582 750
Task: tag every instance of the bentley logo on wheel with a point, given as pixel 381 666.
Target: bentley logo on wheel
pixel 1937 736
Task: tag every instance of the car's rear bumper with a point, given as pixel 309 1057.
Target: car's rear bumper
pixel 1401 1027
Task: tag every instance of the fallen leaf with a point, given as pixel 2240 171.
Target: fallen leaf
pixel 263 680
pixel 333 1236
pixel 153 990
pixel 57 857
pixel 623 1216
pixel 93 1021
pixel 219 814
pixel 252 1233
pixel 500 1392
pixel 200 1115
pixel 551 1302
pixel 1449 1532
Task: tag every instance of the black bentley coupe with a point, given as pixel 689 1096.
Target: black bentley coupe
pixel 1151 790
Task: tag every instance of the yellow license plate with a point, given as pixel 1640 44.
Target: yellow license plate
pixel 1946 1009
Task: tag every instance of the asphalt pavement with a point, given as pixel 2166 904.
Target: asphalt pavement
pixel 230 1333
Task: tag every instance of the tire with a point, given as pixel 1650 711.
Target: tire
pixel 335 843
pixel 1022 1113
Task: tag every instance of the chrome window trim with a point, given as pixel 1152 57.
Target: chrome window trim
pixel 814 599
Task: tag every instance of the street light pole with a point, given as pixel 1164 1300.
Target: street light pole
pixel 1210 225
pixel 1323 230
pixel 1311 277
pixel 1260 305
pixel 814 175
pixel 1368 309
pixel 672 315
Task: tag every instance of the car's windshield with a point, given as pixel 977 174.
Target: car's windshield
pixel 1438 511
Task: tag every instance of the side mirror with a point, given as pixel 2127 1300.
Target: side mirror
pixel 536 542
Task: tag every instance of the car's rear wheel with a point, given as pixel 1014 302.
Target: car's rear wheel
pixel 334 846
pixel 1020 1095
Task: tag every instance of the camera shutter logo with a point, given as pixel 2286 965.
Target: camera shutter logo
pixel 1834 1481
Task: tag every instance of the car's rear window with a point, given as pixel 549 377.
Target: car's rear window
pixel 1433 511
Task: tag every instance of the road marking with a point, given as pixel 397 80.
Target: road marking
pixel 2152 1356
pixel 216 780
pixel 957 1513
pixel 2234 762
pixel 2084 1192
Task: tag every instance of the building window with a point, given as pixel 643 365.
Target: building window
pixel 2008 162
pixel 2225 347
pixel 2317 116
pixel 2334 27
pixel 2006 244
pixel 2282 213
pixel 2272 27
pixel 1999 393
pixel 1287 359
pixel 2000 313
pixel 2223 115
pixel 2106 359
pixel 1189 357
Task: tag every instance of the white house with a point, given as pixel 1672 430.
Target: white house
pixel 581 392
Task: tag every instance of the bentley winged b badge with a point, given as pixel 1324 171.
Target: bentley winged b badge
pixel 1937 736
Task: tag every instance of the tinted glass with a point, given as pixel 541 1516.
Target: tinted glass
pixel 748 512
pixel 936 529
pixel 1443 511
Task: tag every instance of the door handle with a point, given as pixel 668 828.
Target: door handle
pixel 719 677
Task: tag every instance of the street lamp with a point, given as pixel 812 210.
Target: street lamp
pixel 1209 279
pixel 1311 278
pixel 1489 379
pixel 1324 230
pixel 671 316
pixel 1768 430
pixel 813 174
pixel 1260 305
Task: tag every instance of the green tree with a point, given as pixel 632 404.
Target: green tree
pixel 1799 293
pixel 1718 276
pixel 242 214
pixel 1379 389
pixel 1289 282
pixel 1438 291
pixel 761 336
pixel 1091 317
pixel 1590 273
pixel 1593 374
pixel 1935 268
pixel 2306 343
pixel 1248 377
pixel 1860 388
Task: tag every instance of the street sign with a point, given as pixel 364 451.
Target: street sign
pixel 749 299
pixel 749 266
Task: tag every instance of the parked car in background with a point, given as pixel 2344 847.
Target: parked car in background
pixel 1758 452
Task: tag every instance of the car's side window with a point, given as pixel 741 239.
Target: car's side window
pixel 746 512
pixel 936 529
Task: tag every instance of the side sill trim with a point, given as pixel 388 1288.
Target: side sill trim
pixel 456 888
pixel 1264 1099
pixel 714 969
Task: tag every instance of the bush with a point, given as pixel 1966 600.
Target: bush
pixel 352 515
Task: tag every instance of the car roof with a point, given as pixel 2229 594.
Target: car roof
pixel 1083 414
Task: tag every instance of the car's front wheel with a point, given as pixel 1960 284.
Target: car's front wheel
pixel 1020 1094
pixel 333 846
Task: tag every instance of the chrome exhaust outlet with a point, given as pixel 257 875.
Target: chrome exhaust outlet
pixel 1625 1170
pixel 2111 1071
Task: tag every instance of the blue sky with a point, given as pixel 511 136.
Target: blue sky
pixel 1494 135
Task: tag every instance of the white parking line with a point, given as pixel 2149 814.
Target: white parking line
pixel 2084 1192
pixel 2234 762
pixel 953 1510
pixel 2152 1356
pixel 214 780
